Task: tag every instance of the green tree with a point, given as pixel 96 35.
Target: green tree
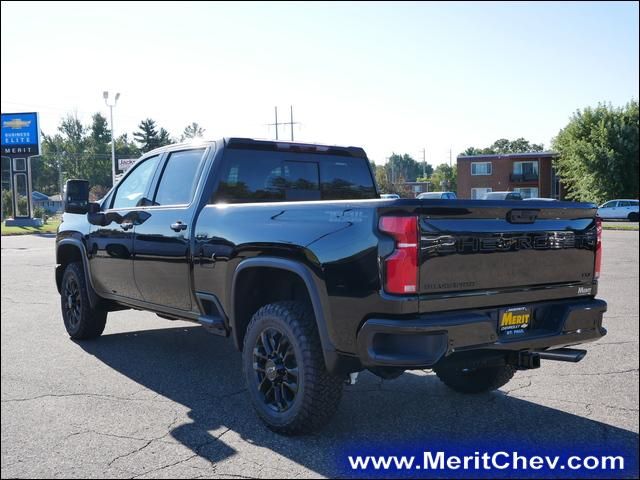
pixel 164 138
pixel 444 178
pixel 504 146
pixel 147 135
pixel 98 150
pixel 402 167
pixel 599 153
pixel 126 148
pixel 99 134
pixel 192 131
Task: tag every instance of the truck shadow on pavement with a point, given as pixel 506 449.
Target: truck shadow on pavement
pixel 203 373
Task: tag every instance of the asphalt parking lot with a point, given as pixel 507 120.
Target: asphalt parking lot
pixel 154 398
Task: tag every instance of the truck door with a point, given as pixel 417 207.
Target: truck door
pixel 111 246
pixel 162 243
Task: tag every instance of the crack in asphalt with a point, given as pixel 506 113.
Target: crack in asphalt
pixel 148 442
pixel 94 395
pixel 195 454
pixel 521 387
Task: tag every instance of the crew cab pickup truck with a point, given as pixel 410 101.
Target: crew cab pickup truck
pixel 289 250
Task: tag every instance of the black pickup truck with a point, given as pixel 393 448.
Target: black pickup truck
pixel 288 249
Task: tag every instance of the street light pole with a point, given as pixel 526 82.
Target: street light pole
pixel 105 95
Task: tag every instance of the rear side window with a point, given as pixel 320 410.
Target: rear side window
pixel 258 176
pixel 179 178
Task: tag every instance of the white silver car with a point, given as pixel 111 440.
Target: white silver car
pixel 619 210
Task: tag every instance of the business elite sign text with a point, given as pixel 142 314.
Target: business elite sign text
pixel 20 135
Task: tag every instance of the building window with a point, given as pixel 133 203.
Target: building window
pixel 479 193
pixel 527 192
pixel 525 168
pixel 481 168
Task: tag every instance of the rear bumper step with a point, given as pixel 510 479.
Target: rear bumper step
pixel 423 342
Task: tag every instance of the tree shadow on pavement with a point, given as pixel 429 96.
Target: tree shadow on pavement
pixel 203 373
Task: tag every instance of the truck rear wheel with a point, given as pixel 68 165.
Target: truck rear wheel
pixel 284 368
pixel 80 319
pixel 475 380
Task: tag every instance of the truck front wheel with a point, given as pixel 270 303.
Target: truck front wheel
pixel 284 368
pixel 475 380
pixel 80 319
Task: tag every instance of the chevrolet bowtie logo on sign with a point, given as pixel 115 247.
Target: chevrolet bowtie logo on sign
pixel 514 320
pixel 20 134
pixel 16 123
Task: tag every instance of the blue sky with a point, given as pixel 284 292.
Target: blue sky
pixel 386 76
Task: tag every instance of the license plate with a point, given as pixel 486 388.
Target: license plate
pixel 514 320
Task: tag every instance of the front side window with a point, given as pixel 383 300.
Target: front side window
pixel 609 204
pixel 131 191
pixel 481 168
pixel 179 178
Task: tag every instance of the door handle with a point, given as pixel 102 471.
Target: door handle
pixel 126 225
pixel 178 226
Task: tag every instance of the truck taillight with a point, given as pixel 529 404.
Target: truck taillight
pixel 598 265
pixel 401 267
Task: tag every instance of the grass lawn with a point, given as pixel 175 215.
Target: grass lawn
pixel 50 227
pixel 631 226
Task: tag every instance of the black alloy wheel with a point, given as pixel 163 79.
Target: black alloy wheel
pixel 72 302
pixel 276 369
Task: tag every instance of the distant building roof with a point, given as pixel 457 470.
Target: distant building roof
pixel 55 198
pixel 498 156
pixel 38 196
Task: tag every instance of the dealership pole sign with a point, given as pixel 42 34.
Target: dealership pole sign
pixel 20 137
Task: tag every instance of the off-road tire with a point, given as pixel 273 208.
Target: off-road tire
pixel 80 319
pixel 318 392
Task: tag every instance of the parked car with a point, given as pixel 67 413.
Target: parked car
pixel 540 199
pixel 389 195
pixel 502 196
pixel 437 195
pixel 232 235
pixel 619 210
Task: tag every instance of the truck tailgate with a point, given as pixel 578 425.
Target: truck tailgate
pixel 481 246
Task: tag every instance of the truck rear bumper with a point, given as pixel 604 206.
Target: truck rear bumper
pixel 421 342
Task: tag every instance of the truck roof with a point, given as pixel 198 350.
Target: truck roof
pixel 270 145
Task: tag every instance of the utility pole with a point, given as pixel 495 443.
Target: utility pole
pixel 105 95
pixel 59 161
pixel 424 162
pixel 291 123
pixel 450 156
pixel 276 123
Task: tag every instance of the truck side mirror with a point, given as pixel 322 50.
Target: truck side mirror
pixel 76 196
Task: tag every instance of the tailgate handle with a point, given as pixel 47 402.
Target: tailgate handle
pixel 522 216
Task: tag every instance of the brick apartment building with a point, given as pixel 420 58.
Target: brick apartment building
pixel 531 174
